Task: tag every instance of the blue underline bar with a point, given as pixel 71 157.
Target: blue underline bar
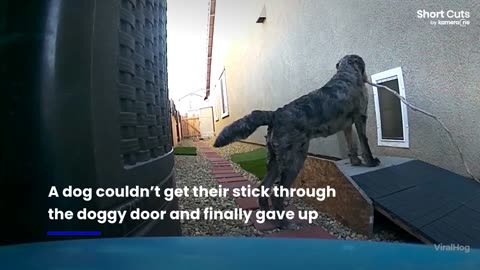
pixel 70 233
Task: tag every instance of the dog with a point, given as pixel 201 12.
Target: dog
pixel 337 106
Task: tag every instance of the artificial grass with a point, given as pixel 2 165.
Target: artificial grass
pixel 257 167
pixel 187 151
pixel 252 155
pixel 254 162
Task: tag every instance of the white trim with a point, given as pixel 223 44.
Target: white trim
pixel 395 73
pixel 215 103
pixel 223 93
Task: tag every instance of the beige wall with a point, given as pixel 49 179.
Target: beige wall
pixel 295 51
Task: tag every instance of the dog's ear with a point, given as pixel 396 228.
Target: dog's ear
pixel 338 63
pixel 359 65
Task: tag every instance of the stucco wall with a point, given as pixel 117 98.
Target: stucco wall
pixel 295 50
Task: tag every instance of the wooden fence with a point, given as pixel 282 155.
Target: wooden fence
pixel 190 127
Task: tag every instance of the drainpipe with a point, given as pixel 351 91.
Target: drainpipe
pixel 211 26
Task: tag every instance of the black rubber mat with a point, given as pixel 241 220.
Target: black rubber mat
pixel 461 226
pixel 438 204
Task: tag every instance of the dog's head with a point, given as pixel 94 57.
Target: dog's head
pixel 353 61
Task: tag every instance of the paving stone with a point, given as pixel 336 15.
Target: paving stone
pixel 221 166
pixel 219 173
pixel 237 184
pixel 248 203
pixel 233 185
pixel 226 175
pixel 218 160
pixel 222 170
pixel 210 157
pixel 230 180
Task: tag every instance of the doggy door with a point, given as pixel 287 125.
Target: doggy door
pixel 391 113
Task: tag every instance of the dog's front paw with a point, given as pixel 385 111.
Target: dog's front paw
pixel 374 162
pixel 263 203
pixel 355 161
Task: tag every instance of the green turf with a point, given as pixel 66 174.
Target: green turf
pixel 254 162
pixel 189 151
pixel 257 167
pixel 252 155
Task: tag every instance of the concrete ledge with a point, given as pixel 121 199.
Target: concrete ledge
pixel 385 161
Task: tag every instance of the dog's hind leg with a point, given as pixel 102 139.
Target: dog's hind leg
pixel 361 126
pixel 352 148
pixel 291 162
pixel 272 174
pixel 272 171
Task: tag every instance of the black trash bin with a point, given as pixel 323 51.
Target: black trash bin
pixel 86 106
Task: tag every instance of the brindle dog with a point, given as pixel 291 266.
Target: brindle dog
pixel 339 104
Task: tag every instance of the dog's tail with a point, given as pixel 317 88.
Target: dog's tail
pixel 244 127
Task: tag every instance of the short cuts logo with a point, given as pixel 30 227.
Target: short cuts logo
pixel 449 17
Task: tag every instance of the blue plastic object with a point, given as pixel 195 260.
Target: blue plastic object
pixel 230 253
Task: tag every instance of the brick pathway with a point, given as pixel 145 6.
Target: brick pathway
pixel 227 177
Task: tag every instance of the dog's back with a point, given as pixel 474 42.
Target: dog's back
pixel 327 110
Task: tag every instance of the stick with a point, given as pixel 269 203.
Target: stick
pixel 432 116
